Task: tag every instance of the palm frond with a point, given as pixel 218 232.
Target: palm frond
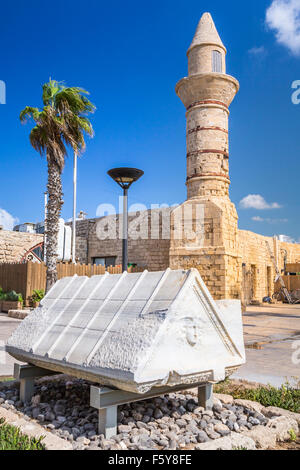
pixel 29 113
pixel 61 122
pixel 50 89
pixel 72 100
pixel 38 139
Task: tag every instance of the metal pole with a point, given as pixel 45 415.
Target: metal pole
pixel 74 209
pixel 125 231
pixel 45 225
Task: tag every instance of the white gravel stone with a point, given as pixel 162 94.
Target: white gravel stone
pixel 36 400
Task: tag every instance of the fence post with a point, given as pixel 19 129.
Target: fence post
pixel 28 276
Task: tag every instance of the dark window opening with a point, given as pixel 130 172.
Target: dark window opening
pixel 216 61
pixel 106 261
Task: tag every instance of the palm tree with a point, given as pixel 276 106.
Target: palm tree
pixel 62 122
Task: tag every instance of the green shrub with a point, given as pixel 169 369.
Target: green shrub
pixel 11 438
pixel 38 295
pixel 285 397
pixel 2 294
pixel 293 435
pixel 12 296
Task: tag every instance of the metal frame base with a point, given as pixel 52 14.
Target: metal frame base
pixel 26 375
pixel 107 400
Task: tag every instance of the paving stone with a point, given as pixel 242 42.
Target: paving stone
pixel 272 411
pixel 249 404
pixel 225 399
pixel 262 439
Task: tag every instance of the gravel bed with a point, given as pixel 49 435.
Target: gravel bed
pixel 173 421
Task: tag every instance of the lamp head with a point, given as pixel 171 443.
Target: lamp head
pixel 125 176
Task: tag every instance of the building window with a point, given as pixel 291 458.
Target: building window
pixel 216 61
pixel 35 254
pixel 106 261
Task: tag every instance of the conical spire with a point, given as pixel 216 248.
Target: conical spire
pixel 207 33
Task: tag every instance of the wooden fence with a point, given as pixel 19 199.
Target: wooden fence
pixel 26 277
pixel 293 268
pixel 291 283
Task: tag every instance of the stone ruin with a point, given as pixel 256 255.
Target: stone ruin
pixel 133 332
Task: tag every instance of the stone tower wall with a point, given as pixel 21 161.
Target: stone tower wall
pixel 200 59
pixel 207 95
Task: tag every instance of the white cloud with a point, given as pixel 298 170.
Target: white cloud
pixel 283 16
pixel 269 221
pixel 286 238
pixel 258 51
pixel 256 201
pixel 7 220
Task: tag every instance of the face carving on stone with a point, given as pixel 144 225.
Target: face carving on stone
pixel 192 330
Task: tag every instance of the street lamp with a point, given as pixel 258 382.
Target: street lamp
pixel 125 177
pixel 74 208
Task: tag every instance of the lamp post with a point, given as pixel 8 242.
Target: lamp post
pixel 74 208
pixel 45 225
pixel 125 177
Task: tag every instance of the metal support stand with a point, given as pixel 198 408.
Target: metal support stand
pixel 107 400
pixel 205 397
pixel 108 421
pixel 26 389
pixel 26 375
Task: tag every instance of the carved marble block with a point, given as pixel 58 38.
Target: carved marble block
pixel 133 331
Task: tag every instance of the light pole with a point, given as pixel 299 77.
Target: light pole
pixel 74 209
pixel 125 177
pixel 45 225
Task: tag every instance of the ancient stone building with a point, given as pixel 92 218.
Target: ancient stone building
pixel 233 263
pixel 206 94
pixel 16 246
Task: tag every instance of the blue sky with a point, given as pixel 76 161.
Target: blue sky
pixel 130 55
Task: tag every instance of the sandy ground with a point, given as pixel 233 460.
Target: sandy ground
pixel 271 334
pixel 272 337
pixel 7 326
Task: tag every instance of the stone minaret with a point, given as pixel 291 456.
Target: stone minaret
pixel 207 93
pixel 212 245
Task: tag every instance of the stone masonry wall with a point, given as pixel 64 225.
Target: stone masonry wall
pixel 14 245
pixel 148 242
pixel 254 254
pixel 228 254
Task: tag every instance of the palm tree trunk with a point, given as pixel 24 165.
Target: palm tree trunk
pixel 53 215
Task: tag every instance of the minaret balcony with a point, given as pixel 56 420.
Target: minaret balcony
pixel 207 89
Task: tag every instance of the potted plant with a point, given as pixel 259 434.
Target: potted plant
pixel 2 297
pixel 12 301
pixel 37 296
